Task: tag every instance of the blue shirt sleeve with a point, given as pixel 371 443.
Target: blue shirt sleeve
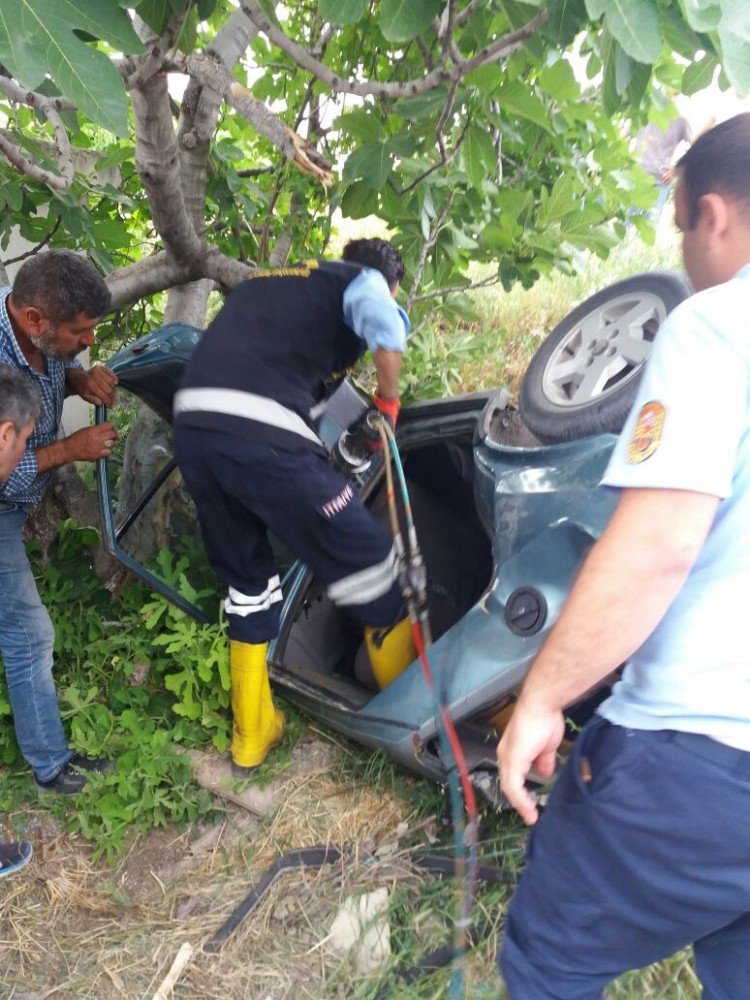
pixel 373 314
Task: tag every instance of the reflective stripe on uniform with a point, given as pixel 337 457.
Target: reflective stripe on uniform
pixel 366 584
pixel 236 403
pixel 249 604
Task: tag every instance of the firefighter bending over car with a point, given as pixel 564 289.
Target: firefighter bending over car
pixel 253 463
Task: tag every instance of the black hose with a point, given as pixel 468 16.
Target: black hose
pixel 309 858
pixel 298 860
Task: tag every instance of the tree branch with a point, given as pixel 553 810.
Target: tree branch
pixel 451 289
pixel 428 244
pixel 463 15
pixel 157 163
pixel 500 47
pixel 199 113
pixel 146 277
pixel 160 271
pixel 137 70
pixel 211 74
pixel 226 272
pixel 38 247
pixel 50 108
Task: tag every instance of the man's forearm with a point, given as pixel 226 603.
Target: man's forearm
pixel 387 368
pixel 628 582
pixel 52 456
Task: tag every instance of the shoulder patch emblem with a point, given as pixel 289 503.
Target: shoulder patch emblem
pixel 647 433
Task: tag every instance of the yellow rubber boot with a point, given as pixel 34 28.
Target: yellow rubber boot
pixel 257 725
pixel 390 651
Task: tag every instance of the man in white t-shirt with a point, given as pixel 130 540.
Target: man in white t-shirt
pixel 644 846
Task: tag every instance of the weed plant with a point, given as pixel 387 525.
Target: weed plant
pixel 140 682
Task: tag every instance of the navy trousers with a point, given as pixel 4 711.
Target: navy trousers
pixel 650 855
pixel 242 490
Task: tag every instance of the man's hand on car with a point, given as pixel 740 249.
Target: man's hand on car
pixel 96 386
pixel 91 443
pixel 530 742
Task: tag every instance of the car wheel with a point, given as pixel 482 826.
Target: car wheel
pixel 584 377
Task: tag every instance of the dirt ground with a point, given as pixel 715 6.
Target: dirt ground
pixel 72 928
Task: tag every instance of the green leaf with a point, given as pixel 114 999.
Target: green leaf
pixel 734 34
pixel 596 8
pixel 565 21
pixel 112 234
pixel 516 98
pixel 701 15
pixel 342 11
pixel 624 67
pixel 423 105
pixel 501 237
pixel 13 194
pixel 611 99
pixel 678 35
pixel 635 25
pixel 360 124
pixel 188 36
pixel 478 155
pixel 558 80
pixel 559 202
pixel 372 162
pixel 513 203
pixel 156 14
pixel 698 75
pixel 358 201
pixel 638 84
pixel 402 20
pixel 114 156
pixel 486 78
pixel 38 37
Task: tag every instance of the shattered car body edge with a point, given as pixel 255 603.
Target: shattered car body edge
pixel 503 528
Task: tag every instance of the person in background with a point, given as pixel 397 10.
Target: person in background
pixel 46 319
pixel 656 148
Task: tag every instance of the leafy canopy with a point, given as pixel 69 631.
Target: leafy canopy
pixel 468 148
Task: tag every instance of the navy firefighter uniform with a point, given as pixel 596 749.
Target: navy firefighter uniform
pixel 253 463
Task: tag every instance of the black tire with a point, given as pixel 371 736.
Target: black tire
pixel 581 382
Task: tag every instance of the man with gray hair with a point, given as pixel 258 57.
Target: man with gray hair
pixel 46 319
pixel 20 408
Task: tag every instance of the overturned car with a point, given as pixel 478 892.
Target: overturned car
pixel 504 516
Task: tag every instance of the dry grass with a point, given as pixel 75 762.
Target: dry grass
pixel 69 928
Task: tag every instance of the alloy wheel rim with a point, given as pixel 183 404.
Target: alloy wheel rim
pixel 605 349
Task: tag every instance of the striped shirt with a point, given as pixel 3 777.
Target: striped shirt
pixel 26 484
